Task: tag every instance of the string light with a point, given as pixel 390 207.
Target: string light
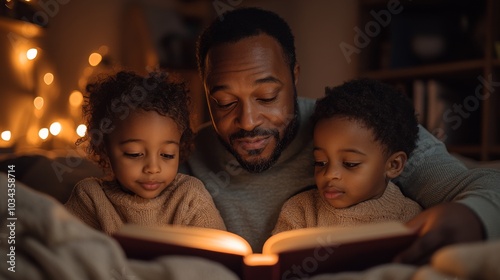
pixel 55 128
pixel 38 102
pixel 31 53
pixel 43 133
pixel 48 78
pixel 6 135
pixel 95 59
pixel 81 129
pixel 75 98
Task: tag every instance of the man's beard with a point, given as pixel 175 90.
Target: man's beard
pixel 264 163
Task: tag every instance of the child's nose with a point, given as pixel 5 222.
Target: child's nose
pixel 333 172
pixel 152 166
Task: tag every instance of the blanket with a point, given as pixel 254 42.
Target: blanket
pixel 41 240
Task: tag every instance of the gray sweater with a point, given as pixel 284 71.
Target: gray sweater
pixel 250 203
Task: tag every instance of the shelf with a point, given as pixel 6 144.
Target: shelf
pixel 464 149
pixel 472 150
pixel 428 70
pixel 495 150
pixel 471 55
pixel 422 3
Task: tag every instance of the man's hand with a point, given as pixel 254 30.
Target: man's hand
pixel 439 226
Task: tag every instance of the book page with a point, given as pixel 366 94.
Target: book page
pixel 194 237
pixel 327 236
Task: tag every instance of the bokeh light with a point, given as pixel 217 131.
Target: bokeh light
pixel 81 129
pixel 55 128
pixel 43 133
pixel 6 135
pixel 95 59
pixel 31 53
pixel 38 102
pixel 48 78
pixel 75 98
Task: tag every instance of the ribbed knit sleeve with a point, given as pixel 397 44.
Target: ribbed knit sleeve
pixel 81 202
pixel 432 176
pixel 195 206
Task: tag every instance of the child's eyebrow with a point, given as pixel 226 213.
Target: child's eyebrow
pixel 356 151
pixel 349 150
pixel 134 140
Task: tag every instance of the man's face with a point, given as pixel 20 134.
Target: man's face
pixel 251 96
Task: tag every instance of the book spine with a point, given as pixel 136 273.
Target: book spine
pixel 261 272
pixel 261 266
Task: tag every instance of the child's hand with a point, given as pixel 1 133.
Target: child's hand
pixel 439 226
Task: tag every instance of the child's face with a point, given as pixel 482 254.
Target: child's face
pixel 350 167
pixel 144 152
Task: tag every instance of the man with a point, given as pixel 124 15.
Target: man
pixel 258 151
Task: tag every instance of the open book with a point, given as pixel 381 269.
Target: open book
pixel 287 255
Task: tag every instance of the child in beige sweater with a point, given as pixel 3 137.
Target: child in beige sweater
pixel 138 130
pixel 364 132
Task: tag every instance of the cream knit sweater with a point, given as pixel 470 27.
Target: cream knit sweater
pixel 308 209
pixel 105 206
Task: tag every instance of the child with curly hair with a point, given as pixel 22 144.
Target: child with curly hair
pixel 364 132
pixel 138 131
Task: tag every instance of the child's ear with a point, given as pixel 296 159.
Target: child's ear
pixel 395 164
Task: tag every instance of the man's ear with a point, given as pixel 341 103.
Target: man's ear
pixel 395 164
pixel 296 73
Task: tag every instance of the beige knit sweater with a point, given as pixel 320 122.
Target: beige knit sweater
pixel 308 209
pixel 105 206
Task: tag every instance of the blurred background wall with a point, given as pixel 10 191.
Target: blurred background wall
pixel 75 40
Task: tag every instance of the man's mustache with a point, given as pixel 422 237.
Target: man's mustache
pixel 253 133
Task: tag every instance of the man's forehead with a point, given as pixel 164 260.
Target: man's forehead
pixel 257 56
pixel 261 48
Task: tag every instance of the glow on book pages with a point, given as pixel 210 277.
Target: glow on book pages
pixel 261 259
pixel 194 237
pixel 328 236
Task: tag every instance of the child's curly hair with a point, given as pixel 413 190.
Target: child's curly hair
pixel 379 107
pixel 113 97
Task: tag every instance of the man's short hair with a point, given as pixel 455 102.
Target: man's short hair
pixel 243 23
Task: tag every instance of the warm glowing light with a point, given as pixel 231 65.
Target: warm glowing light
pixel 38 102
pixel 48 78
pixel 88 71
pixel 31 53
pixel 260 259
pixel 95 59
pixel 55 128
pixel 81 129
pixel 75 98
pixel 103 49
pixel 43 133
pixel 6 135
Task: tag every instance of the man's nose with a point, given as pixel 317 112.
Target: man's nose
pixel 249 116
